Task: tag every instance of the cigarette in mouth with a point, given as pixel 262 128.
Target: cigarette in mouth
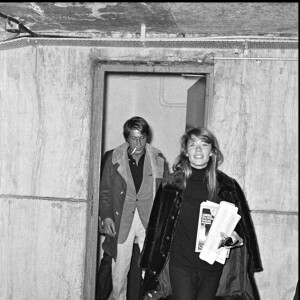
pixel 133 151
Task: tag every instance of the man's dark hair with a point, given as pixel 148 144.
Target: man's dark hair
pixel 136 123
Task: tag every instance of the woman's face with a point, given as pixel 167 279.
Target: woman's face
pixel 198 152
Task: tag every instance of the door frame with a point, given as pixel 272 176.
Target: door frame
pixel 99 69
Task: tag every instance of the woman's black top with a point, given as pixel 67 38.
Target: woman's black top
pixel 183 249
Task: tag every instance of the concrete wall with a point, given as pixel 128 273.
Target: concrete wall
pixel 44 157
pixel 45 101
pixel 256 104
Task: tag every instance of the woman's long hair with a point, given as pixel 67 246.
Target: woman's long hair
pixel 182 161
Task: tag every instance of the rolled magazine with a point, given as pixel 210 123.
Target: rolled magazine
pixel 214 219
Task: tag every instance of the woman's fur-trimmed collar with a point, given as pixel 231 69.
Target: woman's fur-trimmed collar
pixel 175 181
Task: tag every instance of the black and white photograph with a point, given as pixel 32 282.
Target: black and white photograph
pixel 120 121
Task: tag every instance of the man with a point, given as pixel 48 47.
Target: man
pixel 130 178
pixel 104 267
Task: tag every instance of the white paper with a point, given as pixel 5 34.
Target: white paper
pixel 224 221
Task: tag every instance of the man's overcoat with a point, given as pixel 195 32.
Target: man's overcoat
pixel 113 187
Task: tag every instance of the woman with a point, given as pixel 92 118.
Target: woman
pixel 172 229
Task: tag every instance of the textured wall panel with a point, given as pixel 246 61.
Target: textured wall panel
pixel 255 115
pixel 44 123
pixel 277 236
pixel 42 249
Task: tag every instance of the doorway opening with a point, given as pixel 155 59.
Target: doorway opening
pixel 170 97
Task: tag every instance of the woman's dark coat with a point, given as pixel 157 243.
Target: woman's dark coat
pixel 237 278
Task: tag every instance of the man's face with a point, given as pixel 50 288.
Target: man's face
pixel 137 141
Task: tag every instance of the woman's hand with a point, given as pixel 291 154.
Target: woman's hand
pixel 231 242
pixel 237 239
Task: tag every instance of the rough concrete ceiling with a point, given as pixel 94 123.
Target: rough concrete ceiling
pixel 278 19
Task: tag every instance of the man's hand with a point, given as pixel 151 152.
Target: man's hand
pixel 109 227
